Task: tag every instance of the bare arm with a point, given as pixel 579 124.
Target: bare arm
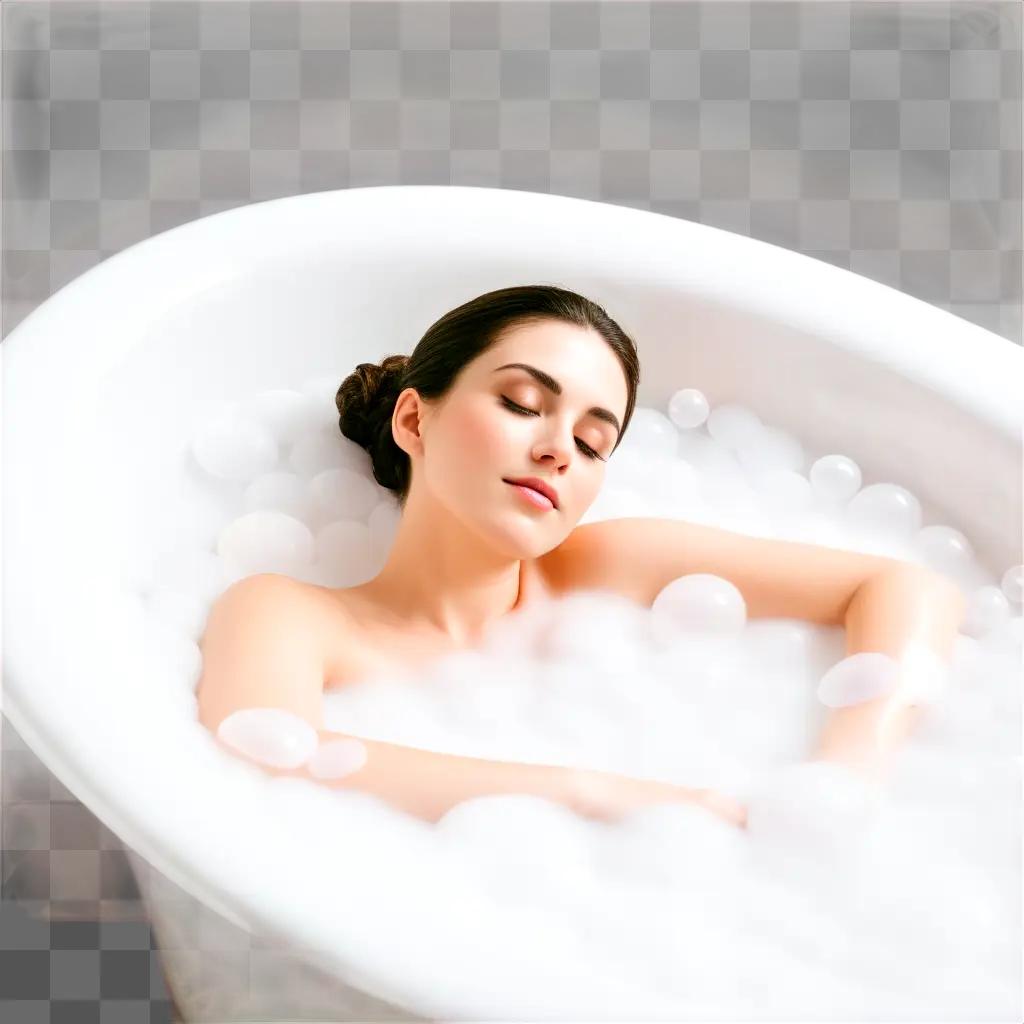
pixel 428 783
pixel 261 650
pixel 889 612
pixel 885 603
pixel 638 556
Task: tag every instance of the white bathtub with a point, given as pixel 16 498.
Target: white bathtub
pixel 273 293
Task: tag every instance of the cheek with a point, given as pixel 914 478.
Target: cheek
pixel 480 436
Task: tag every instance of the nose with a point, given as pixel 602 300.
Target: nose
pixel 554 448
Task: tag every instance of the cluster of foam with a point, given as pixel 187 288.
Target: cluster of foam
pixel 836 894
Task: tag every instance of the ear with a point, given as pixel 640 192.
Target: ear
pixel 407 421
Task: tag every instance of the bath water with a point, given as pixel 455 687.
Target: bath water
pixel 836 902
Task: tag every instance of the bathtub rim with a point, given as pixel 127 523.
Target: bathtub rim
pixel 912 357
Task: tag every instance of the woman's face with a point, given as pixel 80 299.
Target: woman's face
pixel 475 440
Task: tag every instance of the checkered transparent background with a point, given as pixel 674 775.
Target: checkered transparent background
pixel 881 137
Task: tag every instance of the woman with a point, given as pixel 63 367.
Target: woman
pixel 529 382
pixel 534 384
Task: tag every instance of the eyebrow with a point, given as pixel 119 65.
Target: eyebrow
pixel 552 385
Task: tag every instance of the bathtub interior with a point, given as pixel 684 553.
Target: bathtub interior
pixel 271 330
pixel 214 323
pixel 228 314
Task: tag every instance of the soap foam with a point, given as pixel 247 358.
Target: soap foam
pixel 838 899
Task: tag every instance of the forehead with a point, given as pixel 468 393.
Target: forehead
pixel 567 351
pixel 563 358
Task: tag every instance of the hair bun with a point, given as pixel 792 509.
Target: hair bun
pixel 389 380
pixel 365 400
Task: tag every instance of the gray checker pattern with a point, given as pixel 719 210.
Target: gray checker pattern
pixel 881 137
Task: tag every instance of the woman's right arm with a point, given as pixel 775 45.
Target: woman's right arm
pixel 261 648
pixel 428 783
pixel 607 796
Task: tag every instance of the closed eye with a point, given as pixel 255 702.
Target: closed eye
pixel 523 411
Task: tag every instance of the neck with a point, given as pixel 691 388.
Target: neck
pixel 441 577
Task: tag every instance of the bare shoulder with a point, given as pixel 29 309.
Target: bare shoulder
pixel 320 616
pixel 326 607
pixel 268 585
pixel 296 601
pixel 571 564
pixel 331 615
pixel 261 648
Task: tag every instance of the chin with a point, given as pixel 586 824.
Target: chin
pixel 524 539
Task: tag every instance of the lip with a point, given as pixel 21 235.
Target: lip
pixel 537 485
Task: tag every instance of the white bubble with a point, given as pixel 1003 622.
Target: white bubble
pixel 336 758
pixel 730 496
pixel 707 455
pixel 784 491
pixel 771 449
pixel 348 549
pixel 650 433
pixel 286 413
pixel 688 408
pixel 616 503
pixel 858 678
pixel 383 520
pixel 265 542
pixel 280 491
pixel 1013 584
pixel 172 653
pixel 1009 636
pixel 271 736
pixel 566 628
pixel 191 570
pixel 625 470
pixel 342 494
pixel 987 610
pixel 886 509
pixel 184 611
pixel 835 478
pixel 678 480
pixel 812 810
pixel 186 703
pixel 771 639
pixel 701 602
pixel 326 448
pixel 945 549
pixel 496 827
pixel 234 447
pixel 733 425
